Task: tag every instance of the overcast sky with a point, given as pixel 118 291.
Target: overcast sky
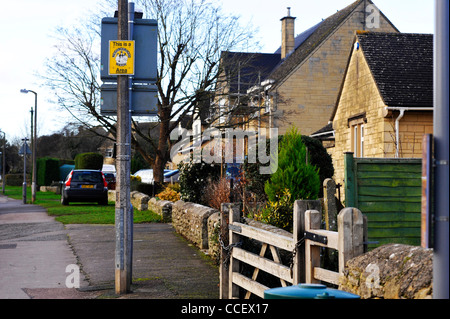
pixel 25 34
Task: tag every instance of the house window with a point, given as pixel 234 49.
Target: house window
pixel 109 152
pixel 358 140
pixel 361 144
pixel 358 131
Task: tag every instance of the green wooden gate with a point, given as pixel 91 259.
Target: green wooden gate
pixel 389 193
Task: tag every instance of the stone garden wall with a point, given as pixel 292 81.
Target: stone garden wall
pixel 390 272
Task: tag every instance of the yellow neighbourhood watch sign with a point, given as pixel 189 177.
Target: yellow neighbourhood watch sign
pixel 121 57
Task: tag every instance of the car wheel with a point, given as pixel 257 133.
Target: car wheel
pixel 64 200
pixel 103 202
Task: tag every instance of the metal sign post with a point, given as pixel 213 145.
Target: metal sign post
pixel 123 224
pixel 143 33
pixel 441 152
pixel 128 73
pixel 25 150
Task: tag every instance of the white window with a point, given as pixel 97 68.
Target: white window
pixel 361 146
pixel 358 140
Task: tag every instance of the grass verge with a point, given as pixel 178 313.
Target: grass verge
pixel 79 213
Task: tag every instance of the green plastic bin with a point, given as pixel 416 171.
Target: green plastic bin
pixel 308 291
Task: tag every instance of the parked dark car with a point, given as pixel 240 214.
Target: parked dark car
pixel 85 186
pixel 110 180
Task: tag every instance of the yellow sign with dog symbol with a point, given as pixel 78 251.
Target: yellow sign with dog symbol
pixel 121 57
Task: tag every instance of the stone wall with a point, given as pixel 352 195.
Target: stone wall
pixel 162 208
pixel 138 200
pixel 213 236
pixel 390 272
pixel 191 221
pixel 52 189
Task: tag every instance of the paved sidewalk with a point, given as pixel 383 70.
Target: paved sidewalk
pixel 35 251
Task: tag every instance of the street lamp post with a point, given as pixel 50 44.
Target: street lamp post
pixel 24 185
pixel 3 163
pixel 34 138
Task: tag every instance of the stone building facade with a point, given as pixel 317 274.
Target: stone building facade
pixel 385 104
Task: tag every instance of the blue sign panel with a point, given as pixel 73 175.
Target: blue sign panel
pixel 144 94
pixel 145 35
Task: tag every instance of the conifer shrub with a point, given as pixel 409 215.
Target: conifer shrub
pixel 47 171
pixel 294 173
pixel 89 161
pixel 295 179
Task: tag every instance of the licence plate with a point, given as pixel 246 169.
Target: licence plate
pixel 87 186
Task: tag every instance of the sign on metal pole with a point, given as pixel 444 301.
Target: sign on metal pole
pixel 144 93
pixel 121 57
pixel 25 149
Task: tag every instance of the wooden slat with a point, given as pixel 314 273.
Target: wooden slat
pixel 256 271
pixel 263 264
pixel 277 259
pixel 380 175
pixel 267 237
pixel 390 191
pixel 326 275
pixel 387 199
pixel 380 207
pixel 248 284
pixel 331 235
pixel 391 167
pixel 393 215
pixel 389 182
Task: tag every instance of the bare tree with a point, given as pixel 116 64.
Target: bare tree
pixel 192 34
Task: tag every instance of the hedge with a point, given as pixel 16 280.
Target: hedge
pixel 17 179
pixel 47 171
pixel 89 161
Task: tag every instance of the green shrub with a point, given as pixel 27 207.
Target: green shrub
pixel 47 171
pixel 89 161
pixel 294 174
pixel 252 179
pixel 278 214
pixel 319 157
pixel 194 177
pixel 17 179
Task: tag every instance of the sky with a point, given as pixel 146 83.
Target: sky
pixel 26 36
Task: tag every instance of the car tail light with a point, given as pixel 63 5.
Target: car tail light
pixel 104 181
pixel 69 180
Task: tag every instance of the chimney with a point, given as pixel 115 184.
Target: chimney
pixel 287 34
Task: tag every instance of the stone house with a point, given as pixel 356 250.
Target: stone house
pixel 299 83
pixel 385 103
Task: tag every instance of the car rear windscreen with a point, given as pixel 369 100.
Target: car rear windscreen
pixel 87 177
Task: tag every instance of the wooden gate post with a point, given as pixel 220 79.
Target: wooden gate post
pixel 300 208
pixel 223 273
pixel 312 252
pixel 350 180
pixel 329 200
pixel 235 216
pixel 351 235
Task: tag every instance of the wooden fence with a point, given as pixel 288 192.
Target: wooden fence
pixel 304 243
pixel 389 192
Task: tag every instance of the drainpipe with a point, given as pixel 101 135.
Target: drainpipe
pixel 397 132
pixel 402 111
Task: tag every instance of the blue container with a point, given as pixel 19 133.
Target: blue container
pixel 308 291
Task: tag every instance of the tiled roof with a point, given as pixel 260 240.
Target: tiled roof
pixel 310 43
pixel 271 66
pixel 302 37
pixel 402 66
pixel 249 67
